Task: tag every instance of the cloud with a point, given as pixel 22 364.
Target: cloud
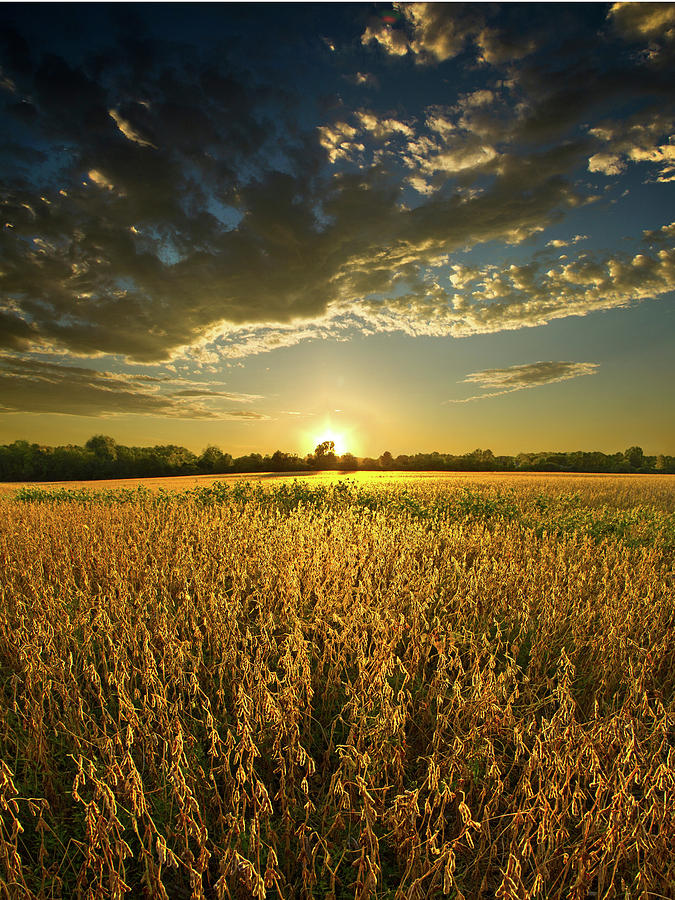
pixel 100 179
pixel 436 32
pixel 497 47
pixel 606 163
pixel 239 343
pixel 638 140
pixel 34 386
pixel 659 235
pixel 15 332
pixel 558 242
pixel 489 300
pixel 440 31
pixel 394 41
pixel 207 393
pixel 458 158
pixel 482 97
pixel 433 32
pixel 527 375
pixel 420 185
pixel 644 21
pixel 664 155
pixel 242 414
pixel 338 141
pixel 216 220
pixel 380 127
pixel 364 78
pixel 128 130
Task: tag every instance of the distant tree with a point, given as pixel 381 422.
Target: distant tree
pixel 386 460
pixel 21 461
pixel 101 451
pixel 634 456
pixel 324 455
pixel 348 462
pixel 285 462
pixel 102 457
pixel 170 459
pixel 103 447
pixel 211 460
pixel 253 462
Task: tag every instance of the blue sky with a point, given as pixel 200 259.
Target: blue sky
pixel 409 226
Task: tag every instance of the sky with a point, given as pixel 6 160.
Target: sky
pixel 406 227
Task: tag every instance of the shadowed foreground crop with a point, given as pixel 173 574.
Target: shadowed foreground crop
pixel 337 691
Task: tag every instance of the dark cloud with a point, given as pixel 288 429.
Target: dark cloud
pixel 650 24
pixel 177 195
pixel 15 332
pixel 205 392
pixel 29 385
pixel 527 375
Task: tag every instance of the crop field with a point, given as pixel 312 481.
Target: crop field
pixel 339 687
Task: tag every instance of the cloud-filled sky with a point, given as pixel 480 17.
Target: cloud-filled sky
pixel 244 224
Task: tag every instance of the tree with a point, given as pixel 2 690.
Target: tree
pixel 211 460
pixel 349 461
pixel 634 456
pixel 324 455
pixel 285 462
pixel 103 447
pixel 170 459
pixel 386 460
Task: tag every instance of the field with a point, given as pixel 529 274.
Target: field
pixel 339 687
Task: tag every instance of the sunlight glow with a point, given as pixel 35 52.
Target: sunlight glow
pixel 343 437
pixel 328 434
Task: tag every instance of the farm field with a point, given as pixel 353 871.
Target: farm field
pixel 362 686
pixel 626 489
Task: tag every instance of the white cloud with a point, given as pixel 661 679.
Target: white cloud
pixel 436 32
pixel 607 163
pixel 394 41
pixel 663 155
pixel 558 242
pixel 420 185
pixel 456 156
pixel 639 140
pixel 488 300
pixel 382 127
pixel 338 141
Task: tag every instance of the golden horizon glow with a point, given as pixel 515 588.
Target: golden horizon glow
pixel 327 434
pixel 342 437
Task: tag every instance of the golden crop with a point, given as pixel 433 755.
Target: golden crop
pixel 407 690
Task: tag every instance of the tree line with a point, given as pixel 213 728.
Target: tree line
pixel 103 457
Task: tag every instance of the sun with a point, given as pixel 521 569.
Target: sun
pixel 329 434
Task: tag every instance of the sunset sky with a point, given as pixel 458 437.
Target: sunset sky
pixel 416 227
